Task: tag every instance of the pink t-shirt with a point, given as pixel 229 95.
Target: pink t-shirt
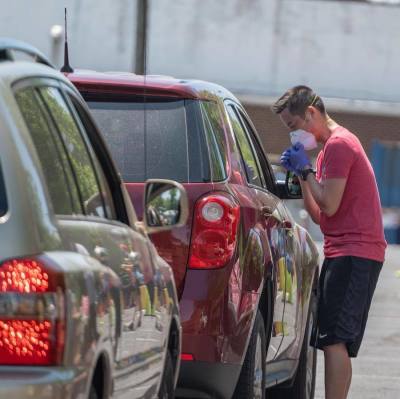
pixel 356 228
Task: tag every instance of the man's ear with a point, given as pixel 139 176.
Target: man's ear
pixel 310 113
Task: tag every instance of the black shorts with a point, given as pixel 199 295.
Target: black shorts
pixel 346 287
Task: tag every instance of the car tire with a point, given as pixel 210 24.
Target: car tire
pixel 251 383
pixel 304 381
pixel 167 383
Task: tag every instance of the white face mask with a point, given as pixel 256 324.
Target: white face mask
pixel 305 138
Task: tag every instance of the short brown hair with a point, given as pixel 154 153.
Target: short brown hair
pixel 297 99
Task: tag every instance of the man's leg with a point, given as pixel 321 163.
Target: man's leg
pixel 337 371
pixel 349 382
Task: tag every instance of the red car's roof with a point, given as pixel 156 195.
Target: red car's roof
pixel 124 82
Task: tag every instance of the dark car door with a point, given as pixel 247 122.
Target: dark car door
pixel 287 270
pixel 88 217
pixel 269 219
pixel 139 358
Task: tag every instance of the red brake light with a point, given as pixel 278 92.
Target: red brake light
pixel 215 229
pixel 187 357
pixel 23 276
pixel 25 342
pixel 31 313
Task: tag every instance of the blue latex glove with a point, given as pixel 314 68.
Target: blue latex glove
pixel 285 160
pixel 298 157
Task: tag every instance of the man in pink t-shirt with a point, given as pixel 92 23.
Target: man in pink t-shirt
pixel 343 199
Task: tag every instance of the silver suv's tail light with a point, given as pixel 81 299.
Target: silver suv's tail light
pixel 32 314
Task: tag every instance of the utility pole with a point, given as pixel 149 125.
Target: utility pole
pixel 141 36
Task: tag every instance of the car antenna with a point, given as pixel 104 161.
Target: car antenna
pixel 66 68
pixel 145 16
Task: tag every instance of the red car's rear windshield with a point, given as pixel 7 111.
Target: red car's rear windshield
pixel 154 138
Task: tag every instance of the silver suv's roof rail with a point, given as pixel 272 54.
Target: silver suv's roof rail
pixel 7 46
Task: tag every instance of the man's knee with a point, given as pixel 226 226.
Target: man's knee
pixel 335 348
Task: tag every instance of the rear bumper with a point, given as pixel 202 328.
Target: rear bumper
pixel 40 383
pixel 207 380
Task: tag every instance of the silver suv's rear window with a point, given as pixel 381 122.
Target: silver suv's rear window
pixel 158 139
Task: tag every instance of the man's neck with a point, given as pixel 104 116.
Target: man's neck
pixel 330 126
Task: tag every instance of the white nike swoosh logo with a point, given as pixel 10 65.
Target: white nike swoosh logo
pixel 323 336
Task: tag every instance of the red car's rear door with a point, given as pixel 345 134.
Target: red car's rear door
pixel 269 222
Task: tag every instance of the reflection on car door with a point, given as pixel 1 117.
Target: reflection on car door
pixel 287 270
pixel 269 217
pixel 141 348
pixel 290 272
pixel 95 231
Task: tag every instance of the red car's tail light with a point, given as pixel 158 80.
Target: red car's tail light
pixel 187 357
pixel 215 229
pixel 31 312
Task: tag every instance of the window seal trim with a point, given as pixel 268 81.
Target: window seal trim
pixel 91 219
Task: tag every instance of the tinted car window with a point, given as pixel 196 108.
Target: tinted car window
pixel 155 139
pixel 249 160
pixel 51 155
pixel 77 152
pixel 103 183
pixel 215 139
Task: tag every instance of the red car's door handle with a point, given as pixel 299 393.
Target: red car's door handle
pixel 267 211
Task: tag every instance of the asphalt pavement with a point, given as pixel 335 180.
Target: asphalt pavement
pixel 376 370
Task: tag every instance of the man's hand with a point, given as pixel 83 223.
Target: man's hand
pixel 298 158
pixel 285 161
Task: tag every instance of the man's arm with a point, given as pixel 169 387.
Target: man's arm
pixel 309 202
pixel 327 195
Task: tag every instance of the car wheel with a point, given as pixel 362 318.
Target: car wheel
pixel 167 383
pixel 251 383
pixel 304 383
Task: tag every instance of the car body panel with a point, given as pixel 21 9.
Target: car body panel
pixel 173 246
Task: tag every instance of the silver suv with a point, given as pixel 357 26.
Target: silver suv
pixel 87 307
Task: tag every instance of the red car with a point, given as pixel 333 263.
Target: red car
pixel 246 273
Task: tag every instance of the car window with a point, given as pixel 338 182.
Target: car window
pixel 261 157
pixel 215 139
pixel 59 180
pixel 248 157
pixel 76 147
pixel 155 139
pixel 84 124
